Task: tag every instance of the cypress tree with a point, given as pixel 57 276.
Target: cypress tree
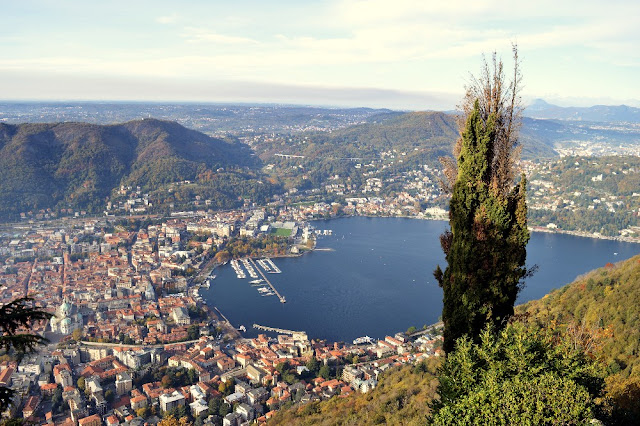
pixel 15 317
pixel 485 248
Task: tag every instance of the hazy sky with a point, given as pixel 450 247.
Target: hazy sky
pixel 381 53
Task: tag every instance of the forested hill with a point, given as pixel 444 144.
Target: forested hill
pixel 78 165
pixel 605 303
pixel 423 135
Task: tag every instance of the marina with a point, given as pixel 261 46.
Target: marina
pixel 272 266
pixel 264 277
pixel 264 265
pixel 263 285
pixel 238 269
pixel 249 268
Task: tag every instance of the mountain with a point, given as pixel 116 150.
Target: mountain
pixel 78 165
pixel 434 131
pixel 427 135
pixel 598 113
pixel 208 118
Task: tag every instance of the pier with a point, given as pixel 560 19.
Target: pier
pixel 297 335
pixel 221 315
pixel 281 297
pixel 274 268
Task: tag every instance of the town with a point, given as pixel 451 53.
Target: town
pixel 132 340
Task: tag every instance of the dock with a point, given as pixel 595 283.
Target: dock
pixel 297 335
pixel 221 315
pixel 274 268
pixel 281 297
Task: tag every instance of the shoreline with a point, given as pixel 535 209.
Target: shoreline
pixel 358 221
pixel 532 228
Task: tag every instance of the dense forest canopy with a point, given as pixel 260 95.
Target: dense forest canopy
pixel 79 165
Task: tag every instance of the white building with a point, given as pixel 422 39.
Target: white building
pixel 171 401
pixel 124 384
pixel 66 319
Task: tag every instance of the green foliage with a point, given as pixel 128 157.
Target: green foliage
pixel 57 403
pixel 605 304
pixel 486 247
pixel 522 375
pixel 15 316
pixel 313 365
pixel 601 310
pixel 173 377
pixel 263 245
pixel 325 372
pixel 193 332
pixel 402 397
pixel 78 165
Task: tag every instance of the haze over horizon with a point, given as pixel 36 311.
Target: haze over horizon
pixel 401 55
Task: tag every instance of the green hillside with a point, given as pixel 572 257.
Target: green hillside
pixel 603 304
pixel 431 133
pixel 78 165
pixel 402 397
pixel 414 139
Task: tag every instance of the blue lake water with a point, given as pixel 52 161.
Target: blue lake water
pixel 378 278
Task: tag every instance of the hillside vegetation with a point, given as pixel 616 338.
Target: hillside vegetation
pixel 401 398
pixel 605 304
pixel 78 165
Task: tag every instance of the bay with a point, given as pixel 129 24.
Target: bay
pixel 377 279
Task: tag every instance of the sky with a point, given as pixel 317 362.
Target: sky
pixel 399 54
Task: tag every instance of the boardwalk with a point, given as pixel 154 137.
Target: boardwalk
pixel 132 347
pixel 281 297
pixel 298 335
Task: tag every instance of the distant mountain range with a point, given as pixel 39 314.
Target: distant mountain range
pixel 78 165
pixel 598 113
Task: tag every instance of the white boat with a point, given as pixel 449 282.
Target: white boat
pixel 362 340
pixel 256 281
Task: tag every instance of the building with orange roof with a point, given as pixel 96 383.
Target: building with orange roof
pixel 90 421
pixel 112 421
pixel 30 406
pixel 48 388
pixel 138 402
pixel 5 376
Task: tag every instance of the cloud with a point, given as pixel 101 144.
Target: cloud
pixel 201 35
pixel 405 45
pixel 167 19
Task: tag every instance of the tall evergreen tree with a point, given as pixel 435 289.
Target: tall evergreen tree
pixel 486 246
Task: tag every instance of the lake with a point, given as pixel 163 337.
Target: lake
pixel 377 279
